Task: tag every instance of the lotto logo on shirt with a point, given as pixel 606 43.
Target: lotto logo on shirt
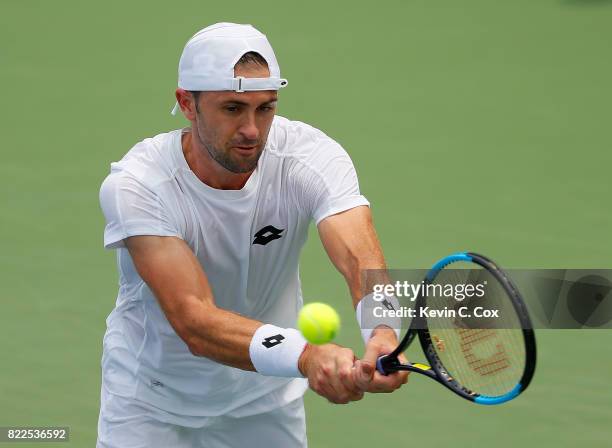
pixel 267 234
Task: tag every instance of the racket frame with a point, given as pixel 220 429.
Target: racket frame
pixel 390 363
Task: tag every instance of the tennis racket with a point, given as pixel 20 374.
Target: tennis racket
pixel 487 364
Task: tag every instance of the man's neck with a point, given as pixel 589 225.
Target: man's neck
pixel 207 169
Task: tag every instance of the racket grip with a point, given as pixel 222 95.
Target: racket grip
pixel 383 363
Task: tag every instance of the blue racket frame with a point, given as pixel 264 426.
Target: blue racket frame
pixel 387 364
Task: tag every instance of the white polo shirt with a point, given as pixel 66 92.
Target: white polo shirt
pixel 248 242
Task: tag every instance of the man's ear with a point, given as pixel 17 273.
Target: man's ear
pixel 186 102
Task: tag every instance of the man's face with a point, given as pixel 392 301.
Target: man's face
pixel 233 127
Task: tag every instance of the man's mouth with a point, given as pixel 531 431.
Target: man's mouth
pixel 245 150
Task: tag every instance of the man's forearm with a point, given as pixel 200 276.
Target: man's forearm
pixel 234 340
pixel 353 247
pixel 218 334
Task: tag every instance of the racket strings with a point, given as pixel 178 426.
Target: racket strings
pixel 486 367
pixel 483 357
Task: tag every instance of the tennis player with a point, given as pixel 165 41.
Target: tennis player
pixel 208 223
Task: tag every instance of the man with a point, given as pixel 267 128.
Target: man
pixel 208 223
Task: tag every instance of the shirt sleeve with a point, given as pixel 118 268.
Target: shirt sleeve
pixel 328 182
pixel 132 209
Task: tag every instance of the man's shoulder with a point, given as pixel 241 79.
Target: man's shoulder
pixel 151 161
pixel 300 141
pixel 292 137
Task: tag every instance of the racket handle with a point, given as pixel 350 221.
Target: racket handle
pixel 385 364
pixel 379 366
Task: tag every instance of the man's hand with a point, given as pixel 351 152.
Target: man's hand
pixel 383 342
pixel 330 372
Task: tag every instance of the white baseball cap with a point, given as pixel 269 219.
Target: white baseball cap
pixel 209 57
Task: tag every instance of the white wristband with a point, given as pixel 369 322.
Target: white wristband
pixel 275 351
pixel 368 320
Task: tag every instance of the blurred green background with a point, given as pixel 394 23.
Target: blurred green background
pixel 481 125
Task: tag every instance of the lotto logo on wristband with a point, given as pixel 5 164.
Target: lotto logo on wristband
pixel 272 341
pixel 275 351
pixel 387 304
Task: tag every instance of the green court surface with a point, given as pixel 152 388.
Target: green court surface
pixel 480 125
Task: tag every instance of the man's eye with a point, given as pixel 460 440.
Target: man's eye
pixel 266 108
pixel 231 108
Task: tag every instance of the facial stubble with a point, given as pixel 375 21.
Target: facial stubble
pixel 236 164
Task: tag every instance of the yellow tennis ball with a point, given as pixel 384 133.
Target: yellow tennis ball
pixel 318 322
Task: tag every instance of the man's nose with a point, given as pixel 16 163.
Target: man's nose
pixel 248 128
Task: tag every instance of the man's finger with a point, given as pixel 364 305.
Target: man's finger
pixel 363 373
pixel 372 352
pixel 348 381
pixel 389 383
